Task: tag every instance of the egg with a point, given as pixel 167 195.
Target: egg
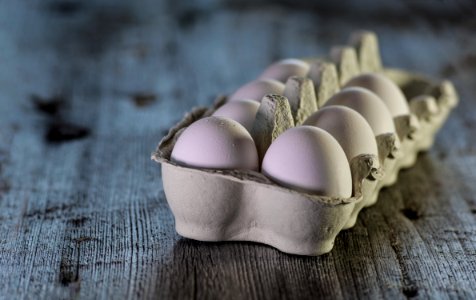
pixel 243 111
pixel 286 68
pixel 386 89
pixel 256 90
pixel 368 105
pixel 308 159
pixel 216 143
pixel 348 127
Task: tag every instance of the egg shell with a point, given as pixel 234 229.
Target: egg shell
pixel 216 143
pixel 386 89
pixel 257 89
pixel 368 105
pixel 348 127
pixel 309 159
pixel 286 68
pixel 242 111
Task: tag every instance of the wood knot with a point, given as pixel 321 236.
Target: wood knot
pixel 411 214
pixel 410 291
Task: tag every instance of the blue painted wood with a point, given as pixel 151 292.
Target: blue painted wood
pixel 87 89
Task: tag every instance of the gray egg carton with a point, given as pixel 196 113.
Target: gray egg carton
pixel 236 205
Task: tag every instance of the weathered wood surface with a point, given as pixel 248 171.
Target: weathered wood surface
pixel 87 90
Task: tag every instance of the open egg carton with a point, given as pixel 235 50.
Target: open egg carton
pixel 245 205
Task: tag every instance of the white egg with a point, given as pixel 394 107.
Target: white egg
pixel 286 68
pixel 256 90
pixel 386 89
pixel 368 105
pixel 348 127
pixel 309 159
pixel 242 111
pixel 216 143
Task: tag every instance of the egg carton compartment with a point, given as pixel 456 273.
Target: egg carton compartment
pixel 242 205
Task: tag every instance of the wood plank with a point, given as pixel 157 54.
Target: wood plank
pixel 84 214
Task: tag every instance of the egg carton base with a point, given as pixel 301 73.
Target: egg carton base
pixel 213 205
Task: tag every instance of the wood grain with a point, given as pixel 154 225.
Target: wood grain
pixel 88 89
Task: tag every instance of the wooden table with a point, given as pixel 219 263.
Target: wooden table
pixel 87 90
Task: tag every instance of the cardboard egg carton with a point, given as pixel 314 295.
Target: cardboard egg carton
pixel 236 205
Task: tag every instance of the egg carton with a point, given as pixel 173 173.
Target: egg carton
pixel 240 205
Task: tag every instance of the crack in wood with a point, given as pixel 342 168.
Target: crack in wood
pixel 409 287
pixel 69 270
pixel 84 239
pixel 411 213
pixel 50 212
pixel 64 131
pixel 71 255
pixel 70 264
pixel 143 99
pixel 5 185
pixel 48 105
pixel 187 18
pixel 65 8
pixel 58 130
pixel 79 221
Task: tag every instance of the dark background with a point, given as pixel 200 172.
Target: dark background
pixel 88 88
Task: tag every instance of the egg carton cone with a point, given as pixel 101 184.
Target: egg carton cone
pixel 237 205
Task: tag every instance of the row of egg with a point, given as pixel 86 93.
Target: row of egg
pixel 313 157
